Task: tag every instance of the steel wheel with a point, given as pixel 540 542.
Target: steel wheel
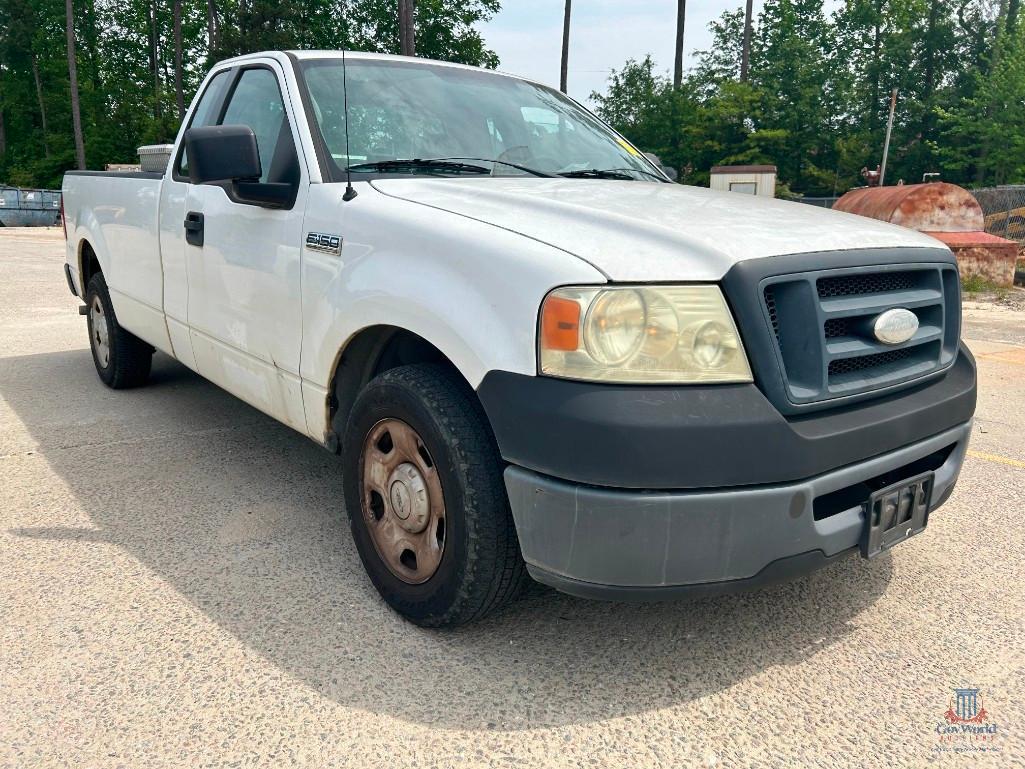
pixel 99 332
pixel 402 501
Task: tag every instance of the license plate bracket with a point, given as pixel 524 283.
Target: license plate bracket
pixel 896 513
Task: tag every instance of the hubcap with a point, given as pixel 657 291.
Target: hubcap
pixel 99 334
pixel 402 499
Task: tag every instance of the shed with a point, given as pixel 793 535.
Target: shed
pixel 750 180
pixel 946 212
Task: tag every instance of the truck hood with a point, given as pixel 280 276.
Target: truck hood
pixel 640 231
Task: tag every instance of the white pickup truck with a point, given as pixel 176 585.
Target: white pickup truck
pixel 534 353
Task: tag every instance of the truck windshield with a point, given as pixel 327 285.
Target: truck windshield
pixel 401 110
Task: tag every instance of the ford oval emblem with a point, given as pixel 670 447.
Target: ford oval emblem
pixel 895 326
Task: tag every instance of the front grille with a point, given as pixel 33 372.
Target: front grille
pixel 871 283
pixel 851 365
pixel 823 327
pixel 770 306
pixel 835 327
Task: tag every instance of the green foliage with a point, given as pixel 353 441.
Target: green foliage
pixel 127 81
pixel 977 284
pixel 817 97
pixel 815 102
pixel 984 134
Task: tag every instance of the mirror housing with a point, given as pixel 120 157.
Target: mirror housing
pixel 222 153
pixel 667 170
pixel 228 156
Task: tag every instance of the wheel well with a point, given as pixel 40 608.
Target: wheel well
pixel 373 351
pixel 89 265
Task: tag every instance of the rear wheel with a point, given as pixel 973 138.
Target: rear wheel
pixel 122 359
pixel 426 500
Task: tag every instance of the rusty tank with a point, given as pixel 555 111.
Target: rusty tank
pixel 935 207
pixel 946 212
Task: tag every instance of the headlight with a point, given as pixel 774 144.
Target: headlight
pixel 641 334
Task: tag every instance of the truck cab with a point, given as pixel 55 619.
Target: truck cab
pixel 535 355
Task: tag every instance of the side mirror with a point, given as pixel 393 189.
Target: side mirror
pixel 667 170
pixel 222 153
pixel 229 156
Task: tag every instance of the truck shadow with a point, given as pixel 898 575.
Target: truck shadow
pixel 243 517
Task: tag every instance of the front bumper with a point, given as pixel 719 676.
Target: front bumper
pixel 705 437
pixel 636 545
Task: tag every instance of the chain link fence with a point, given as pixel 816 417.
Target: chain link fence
pixel 820 202
pixel 1004 210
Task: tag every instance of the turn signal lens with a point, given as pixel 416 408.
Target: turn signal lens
pixel 669 334
pixel 560 324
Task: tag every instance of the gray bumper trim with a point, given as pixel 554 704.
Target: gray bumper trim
pixel 664 539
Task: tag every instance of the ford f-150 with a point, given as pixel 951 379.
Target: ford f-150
pixel 535 354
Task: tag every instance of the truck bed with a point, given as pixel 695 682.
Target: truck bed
pixel 120 211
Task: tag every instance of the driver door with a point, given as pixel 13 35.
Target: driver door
pixel 244 312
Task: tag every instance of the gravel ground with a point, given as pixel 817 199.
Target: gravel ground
pixel 178 589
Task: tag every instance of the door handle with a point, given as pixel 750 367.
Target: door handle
pixel 194 228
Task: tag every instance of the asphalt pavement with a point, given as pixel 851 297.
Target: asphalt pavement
pixel 178 588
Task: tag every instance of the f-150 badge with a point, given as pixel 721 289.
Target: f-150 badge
pixel 329 244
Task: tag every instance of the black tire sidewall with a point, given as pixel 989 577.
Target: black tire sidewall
pixel 98 289
pixel 433 599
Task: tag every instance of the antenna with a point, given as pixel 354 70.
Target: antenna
pixel 350 192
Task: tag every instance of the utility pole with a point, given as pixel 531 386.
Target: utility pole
pixel 407 39
pixel 564 76
pixel 886 144
pixel 745 54
pixel 681 16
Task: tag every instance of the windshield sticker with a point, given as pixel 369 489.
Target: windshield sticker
pixel 628 147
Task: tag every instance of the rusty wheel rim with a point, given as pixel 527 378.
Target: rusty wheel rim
pixel 402 501
pixel 99 334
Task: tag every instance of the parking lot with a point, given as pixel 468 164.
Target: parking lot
pixel 178 588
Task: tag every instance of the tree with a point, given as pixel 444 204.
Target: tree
pixel 407 32
pixel 564 70
pixel 721 62
pixel 646 107
pixel 154 53
pixel 681 17
pixel 213 23
pixel 990 150
pixel 138 63
pixel 792 66
pixel 179 92
pixel 745 56
pixel 42 105
pixel 76 113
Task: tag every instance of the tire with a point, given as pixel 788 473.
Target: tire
pixel 122 359
pixel 480 567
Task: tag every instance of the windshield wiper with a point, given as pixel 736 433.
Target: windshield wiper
pixel 531 171
pixel 440 164
pixel 429 164
pixel 610 173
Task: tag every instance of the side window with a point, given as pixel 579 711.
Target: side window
pixel 257 103
pixel 204 114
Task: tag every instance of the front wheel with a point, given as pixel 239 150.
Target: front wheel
pixel 122 359
pixel 426 501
